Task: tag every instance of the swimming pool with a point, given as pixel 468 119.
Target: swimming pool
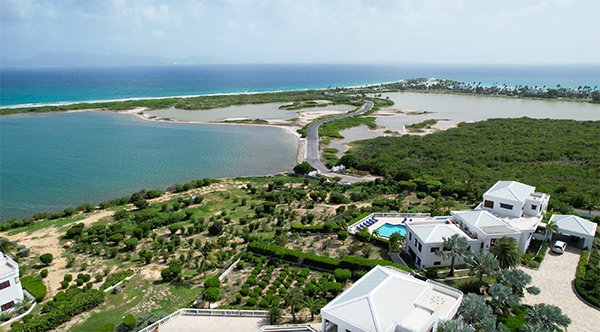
pixel 388 229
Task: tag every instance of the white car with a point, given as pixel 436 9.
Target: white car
pixel 559 247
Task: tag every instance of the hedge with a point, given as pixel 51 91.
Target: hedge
pixel 62 313
pixel 351 263
pixel 35 286
pixel 357 219
pixel 116 277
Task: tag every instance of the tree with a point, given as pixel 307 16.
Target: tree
pixel 502 298
pixel 129 322
pixel 482 264
pixel 454 247
pixel 303 168
pixel 506 251
pixel 517 280
pixel 130 244
pixel 206 255
pixel 211 295
pixel 545 316
pixel 46 258
pixel 293 298
pixel 456 325
pixel 551 228
pixel 141 203
pixel 6 246
pixel 216 228
pixel 275 314
pixel 394 243
pixel 314 306
pixel 474 311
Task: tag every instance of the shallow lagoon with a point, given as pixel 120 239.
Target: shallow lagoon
pixel 52 161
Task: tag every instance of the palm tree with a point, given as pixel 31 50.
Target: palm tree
pixel 502 298
pixel 547 317
pixel 456 325
pixel 6 246
pixel 482 264
pixel 454 247
pixel 275 314
pixel 314 305
pixel 206 255
pixel 394 243
pixel 293 299
pixel 517 280
pixel 475 312
pixel 551 228
pixel 506 251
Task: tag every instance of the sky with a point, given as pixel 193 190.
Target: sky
pixel 311 31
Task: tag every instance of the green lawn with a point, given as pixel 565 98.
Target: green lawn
pixel 139 295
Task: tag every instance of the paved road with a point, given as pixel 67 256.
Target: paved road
pixel 313 155
pixel 555 278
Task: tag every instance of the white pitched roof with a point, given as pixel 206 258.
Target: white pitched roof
pixel 434 232
pixel 574 224
pixel 386 297
pixel 485 221
pixel 510 190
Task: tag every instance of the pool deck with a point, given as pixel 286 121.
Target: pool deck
pixel 393 219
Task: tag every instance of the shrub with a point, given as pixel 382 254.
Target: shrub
pixel 342 275
pixel 216 228
pixel 35 286
pixel 114 278
pixel 46 258
pixel 212 294
pixel 68 277
pixel 421 195
pixel 61 313
pixel 212 282
pixel 44 273
pixel 64 284
pixel 99 277
pixel 342 235
pixel 129 322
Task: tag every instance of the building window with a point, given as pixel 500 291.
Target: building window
pixel 437 263
pixel 434 249
pixel 7 305
pixel 481 245
pixel 533 207
pixel 488 204
pixel 415 242
pixel 420 246
pixel 506 206
pixel 409 235
pixel 5 284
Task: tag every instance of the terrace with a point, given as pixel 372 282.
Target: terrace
pixel 375 221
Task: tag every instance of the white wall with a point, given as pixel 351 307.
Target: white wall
pixel 516 211
pixel 342 326
pixel 14 292
pixel 427 257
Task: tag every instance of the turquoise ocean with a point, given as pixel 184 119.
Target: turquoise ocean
pixel 52 161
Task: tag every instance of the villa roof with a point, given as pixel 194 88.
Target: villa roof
pixel 435 232
pixel 386 297
pixel 510 190
pixel 574 224
pixel 484 221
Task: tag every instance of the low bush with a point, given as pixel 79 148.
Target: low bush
pixel 116 277
pixel 46 258
pixel 35 286
pixel 62 312
pixel 44 273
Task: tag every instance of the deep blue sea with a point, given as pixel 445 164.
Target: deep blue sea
pixel 60 85
pixel 52 161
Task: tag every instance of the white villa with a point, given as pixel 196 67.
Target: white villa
pixel 10 285
pixel 390 300
pixel 509 209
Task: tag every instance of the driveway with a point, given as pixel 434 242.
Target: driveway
pixel 555 280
